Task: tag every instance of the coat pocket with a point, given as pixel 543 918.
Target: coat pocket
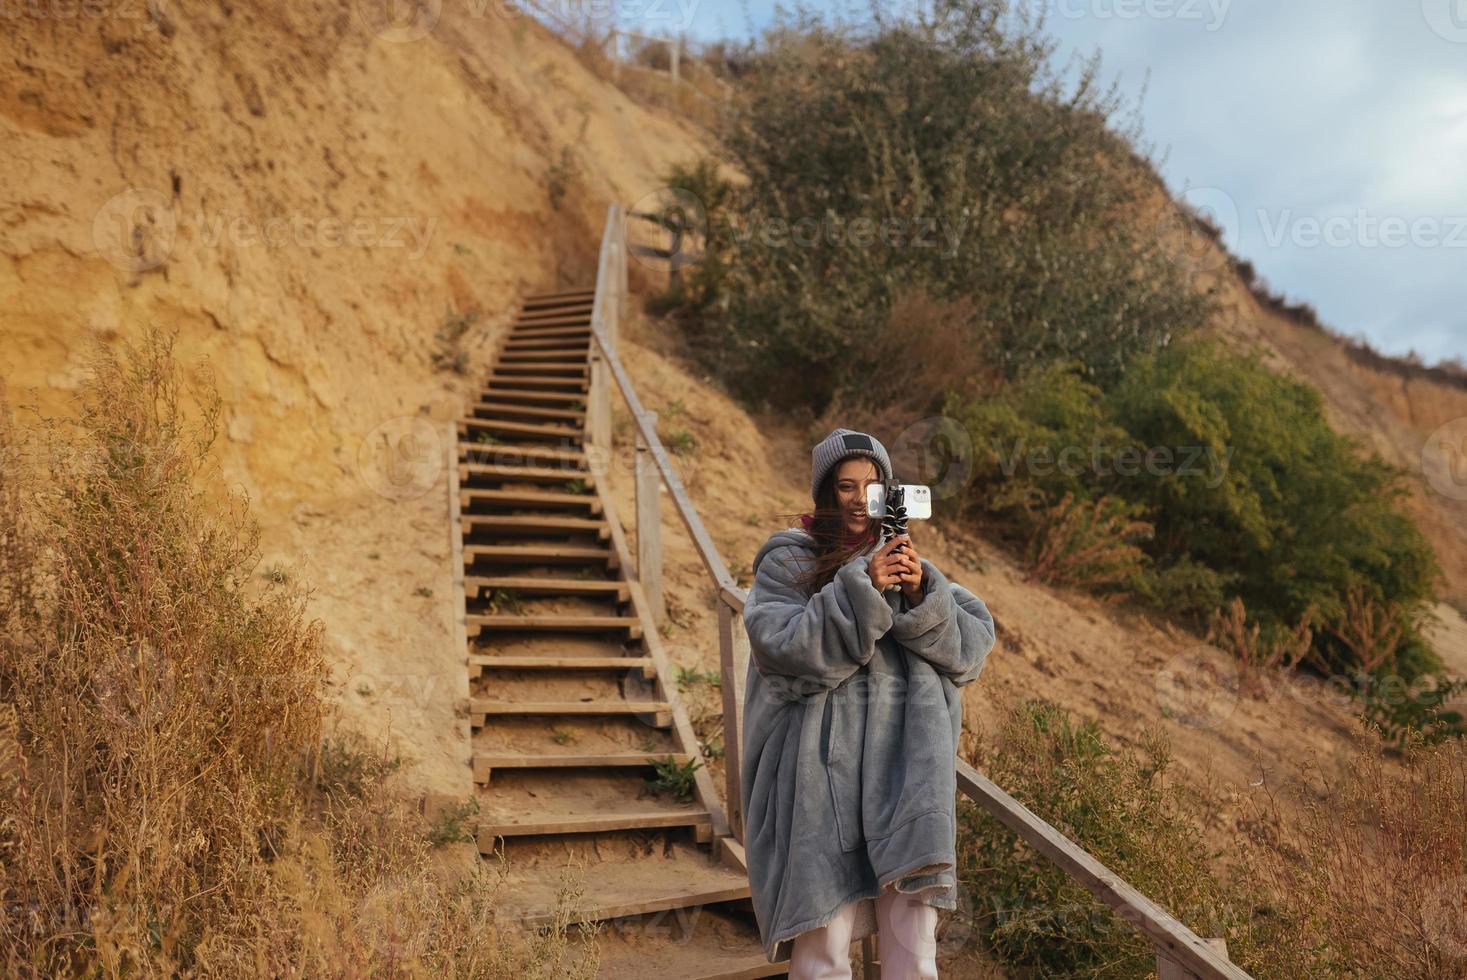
pixel 844 738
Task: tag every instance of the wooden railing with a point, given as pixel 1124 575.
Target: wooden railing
pixel 1180 952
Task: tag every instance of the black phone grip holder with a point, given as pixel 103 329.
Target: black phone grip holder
pixel 894 517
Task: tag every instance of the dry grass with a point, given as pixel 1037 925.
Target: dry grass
pixel 1374 865
pixel 1258 656
pixel 920 351
pixel 1366 878
pixel 171 806
pixel 1122 807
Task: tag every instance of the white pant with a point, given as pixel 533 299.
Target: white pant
pixel 908 928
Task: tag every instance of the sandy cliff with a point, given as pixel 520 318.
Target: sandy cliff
pixel 308 200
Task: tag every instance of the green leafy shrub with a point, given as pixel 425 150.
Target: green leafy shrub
pixel 1260 485
pixel 454 824
pixel 1250 493
pixel 1182 585
pixel 673 778
pixel 937 155
pixel 1118 806
pixel 698 286
pixel 1418 712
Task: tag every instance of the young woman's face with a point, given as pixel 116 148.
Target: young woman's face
pixel 851 479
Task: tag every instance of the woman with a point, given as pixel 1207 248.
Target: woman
pixel 851 722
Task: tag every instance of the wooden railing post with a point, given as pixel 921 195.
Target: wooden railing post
pixel 622 290
pixel 649 523
pixel 614 258
pixel 733 666
pixel 598 409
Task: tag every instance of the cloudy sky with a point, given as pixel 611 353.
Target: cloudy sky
pixel 1328 137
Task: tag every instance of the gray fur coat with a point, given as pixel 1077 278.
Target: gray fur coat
pixel 851 720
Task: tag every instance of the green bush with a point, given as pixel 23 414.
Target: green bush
pixel 1249 490
pixel 1277 496
pixel 937 156
pixel 698 285
pixel 1120 808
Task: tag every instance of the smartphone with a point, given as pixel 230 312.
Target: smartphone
pixel 914 496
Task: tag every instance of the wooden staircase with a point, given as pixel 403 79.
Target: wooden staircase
pixel 571 695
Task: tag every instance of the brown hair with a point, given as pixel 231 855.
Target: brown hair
pixel 834 546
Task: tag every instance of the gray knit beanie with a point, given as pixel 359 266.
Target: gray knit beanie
pixel 841 444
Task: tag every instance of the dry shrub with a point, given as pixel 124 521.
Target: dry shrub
pixel 161 711
pixel 1376 866
pixel 363 892
pixel 1372 630
pixel 922 350
pixel 1256 654
pixel 161 708
pixel 1087 544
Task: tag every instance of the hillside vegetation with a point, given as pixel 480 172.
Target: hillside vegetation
pixel 175 804
pixel 935 222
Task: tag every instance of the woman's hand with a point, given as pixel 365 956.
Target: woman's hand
pixel 885 567
pixel 909 574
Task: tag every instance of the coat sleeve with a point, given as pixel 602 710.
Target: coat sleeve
pixel 820 640
pixel 951 628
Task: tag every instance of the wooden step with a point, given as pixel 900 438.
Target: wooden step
pixel 710 942
pixel 555 335
pixel 551 346
pixel 681 877
pixel 567 460
pixel 555 326
pixel 585 305
pixel 539 381
pixel 481 709
pixel 478 663
pixel 484 765
pixel 577 304
pixel 534 524
pixel 506 410
pixel 572 332
pixel 587 300
pixel 578 313
pixel 512 393
pixel 630 625
pixel 539 554
pixel 543 499
pixel 535 585
pixel 569 463
pixel 563 329
pixel 556 368
pixel 555 355
pixel 559 297
pixel 523 474
pixel 631 818
pixel 527 429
